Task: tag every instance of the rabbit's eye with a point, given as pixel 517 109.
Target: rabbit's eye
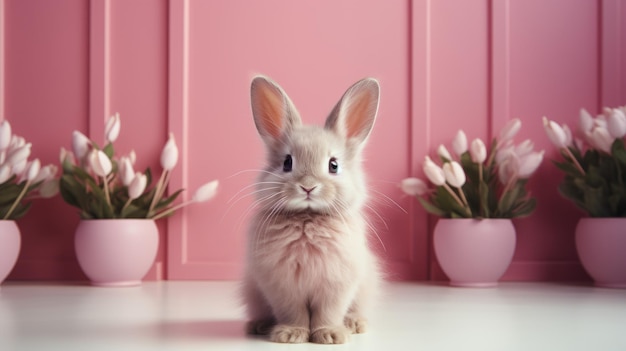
pixel 333 166
pixel 288 164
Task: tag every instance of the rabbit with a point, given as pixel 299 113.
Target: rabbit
pixel 310 274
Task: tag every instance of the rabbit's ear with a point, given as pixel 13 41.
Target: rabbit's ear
pixel 273 112
pixel 354 115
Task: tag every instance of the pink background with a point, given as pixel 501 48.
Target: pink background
pixel 185 66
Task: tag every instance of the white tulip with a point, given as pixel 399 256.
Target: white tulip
pixel 68 156
pixel 206 192
pixel 444 153
pixel 524 148
pixel 433 172
pixel 32 169
pixel 126 171
pixel 568 135
pixel 459 143
pixel 112 128
pixel 510 130
pixel 137 186
pixel 46 173
pixel 586 121
pixel 169 155
pixel 5 135
pixel 478 151
pixel 414 186
pixel 5 173
pixel 601 139
pixel 49 188
pixel 19 167
pixel 132 156
pixel 454 174
pixel 80 144
pixel 529 164
pixel 555 133
pixel 19 155
pixel 100 163
pixel 616 123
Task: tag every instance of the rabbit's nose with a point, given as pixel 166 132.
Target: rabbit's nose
pixel 308 190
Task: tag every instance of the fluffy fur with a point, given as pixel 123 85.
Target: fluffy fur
pixel 310 274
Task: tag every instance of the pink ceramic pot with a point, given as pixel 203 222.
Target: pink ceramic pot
pixel 601 245
pixel 474 252
pixel 10 241
pixel 116 252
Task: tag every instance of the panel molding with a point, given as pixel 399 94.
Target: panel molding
pixel 612 64
pixel 99 65
pixel 2 60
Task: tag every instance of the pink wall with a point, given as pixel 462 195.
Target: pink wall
pixel 185 66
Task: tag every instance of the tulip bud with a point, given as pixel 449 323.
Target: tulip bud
pixel 137 186
pixel 414 186
pixel 459 143
pixel 19 155
pixel 32 169
pixel 616 123
pixel 132 156
pixel 112 128
pixel 601 139
pixel 19 167
pixel 80 144
pixel 433 172
pixel 49 188
pixel 510 130
pixel 555 133
pixel 443 153
pixel 529 164
pixel 100 163
pixel 586 121
pixel 478 151
pixel 508 169
pixel 568 135
pixel 16 143
pixel 206 192
pixel 5 135
pixel 5 173
pixel 126 171
pixel 454 174
pixel 169 155
pixel 524 148
pixel 46 173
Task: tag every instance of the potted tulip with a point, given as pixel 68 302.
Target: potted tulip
pixel 117 239
pixel 477 192
pixel 21 180
pixel 594 167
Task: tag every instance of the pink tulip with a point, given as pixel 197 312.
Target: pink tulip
pixel 112 128
pixel 529 163
pixel 601 139
pixel 616 123
pixel 454 174
pixel 46 173
pixel 459 143
pixel 126 171
pixel 414 186
pixel 478 151
pixel 32 170
pixel 5 135
pixel 19 155
pixel 206 192
pixel 586 121
pixel 137 186
pixel 49 188
pixel 100 163
pixel 433 172
pixel 169 155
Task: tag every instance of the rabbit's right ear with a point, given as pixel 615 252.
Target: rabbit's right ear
pixel 273 111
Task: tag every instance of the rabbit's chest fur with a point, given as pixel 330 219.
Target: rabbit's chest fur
pixel 305 251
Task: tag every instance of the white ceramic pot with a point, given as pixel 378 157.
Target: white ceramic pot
pixel 10 241
pixel 474 252
pixel 116 252
pixel 601 246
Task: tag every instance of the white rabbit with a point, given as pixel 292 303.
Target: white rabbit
pixel 310 274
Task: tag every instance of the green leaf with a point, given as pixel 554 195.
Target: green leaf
pixel 430 208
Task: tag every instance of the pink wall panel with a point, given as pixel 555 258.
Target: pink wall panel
pixel 185 66
pixel 315 55
pixel 45 98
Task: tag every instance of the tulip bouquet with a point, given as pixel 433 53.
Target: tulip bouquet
pixel 475 183
pixel 102 185
pixel 21 179
pixel 595 164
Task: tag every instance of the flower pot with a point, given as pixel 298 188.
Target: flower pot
pixel 474 252
pixel 10 241
pixel 600 243
pixel 116 252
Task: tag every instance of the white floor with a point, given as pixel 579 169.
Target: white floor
pixel 411 316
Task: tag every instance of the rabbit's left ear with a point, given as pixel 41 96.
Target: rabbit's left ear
pixel 354 115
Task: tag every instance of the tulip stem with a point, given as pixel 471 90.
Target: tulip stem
pixel 17 200
pixel 456 197
pixel 158 192
pixel 480 189
pixel 171 210
pixel 126 205
pixel 106 191
pixel 574 160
